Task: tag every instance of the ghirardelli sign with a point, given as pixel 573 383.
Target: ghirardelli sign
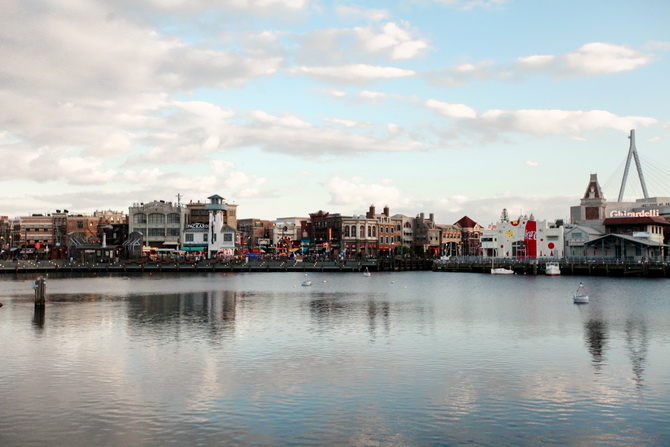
pixel 197 226
pixel 649 213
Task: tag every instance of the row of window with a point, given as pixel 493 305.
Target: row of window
pixel 162 232
pixel 156 218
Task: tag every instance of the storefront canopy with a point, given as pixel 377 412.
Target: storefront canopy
pixel 194 249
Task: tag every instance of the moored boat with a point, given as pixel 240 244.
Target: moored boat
pixel 552 269
pixel 501 271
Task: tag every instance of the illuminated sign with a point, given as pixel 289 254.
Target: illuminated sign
pixel 650 213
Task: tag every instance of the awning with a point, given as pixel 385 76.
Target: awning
pixel 194 248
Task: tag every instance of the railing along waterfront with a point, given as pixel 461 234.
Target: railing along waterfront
pixel 568 266
pixel 216 265
pixel 472 264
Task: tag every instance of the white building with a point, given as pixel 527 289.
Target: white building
pixel 523 238
pixel 221 237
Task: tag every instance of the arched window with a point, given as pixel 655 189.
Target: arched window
pixel 353 230
pixel 140 218
pixel 374 231
pixel 362 231
pixel 173 218
pixel 156 218
pixel 346 231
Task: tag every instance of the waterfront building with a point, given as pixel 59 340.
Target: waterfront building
pixel 196 237
pixel 426 236
pixel 388 230
pixel 451 240
pixel 159 222
pixel 523 238
pixel 471 233
pixel 632 239
pixel 286 233
pixel 576 236
pixel 254 234
pixel 406 237
pixel 222 237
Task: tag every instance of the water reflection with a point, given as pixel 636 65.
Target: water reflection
pixel 596 341
pixel 214 311
pixel 38 319
pixel 637 344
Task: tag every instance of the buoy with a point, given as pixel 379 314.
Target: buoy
pixel 0 304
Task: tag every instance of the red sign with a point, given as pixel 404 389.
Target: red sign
pixel 530 239
pixel 37 245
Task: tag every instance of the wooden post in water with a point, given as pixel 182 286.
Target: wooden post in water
pixel 40 286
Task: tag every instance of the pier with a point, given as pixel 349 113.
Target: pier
pixel 580 267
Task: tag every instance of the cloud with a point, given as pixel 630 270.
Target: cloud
pixel 470 4
pixel 451 110
pixel 354 12
pixel 355 194
pixel 340 46
pixel 558 122
pixel 348 123
pixel 591 59
pixel 353 74
pixel 533 164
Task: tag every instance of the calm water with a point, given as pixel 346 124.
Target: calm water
pixel 412 358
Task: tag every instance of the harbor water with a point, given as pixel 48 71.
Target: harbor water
pixel 404 358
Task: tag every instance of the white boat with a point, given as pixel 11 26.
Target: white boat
pixel 552 269
pixel 500 270
pixel 366 272
pixel 580 296
pixel 307 281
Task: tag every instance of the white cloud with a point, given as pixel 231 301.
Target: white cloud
pixel 391 40
pixel 370 96
pixel 353 74
pixel 451 110
pixel 354 12
pixel 559 122
pixel 591 59
pixel 355 194
pixel 348 123
pixel 533 164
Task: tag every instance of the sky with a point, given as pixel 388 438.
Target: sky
pixel 288 107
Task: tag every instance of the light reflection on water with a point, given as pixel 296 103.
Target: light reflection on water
pixel 411 358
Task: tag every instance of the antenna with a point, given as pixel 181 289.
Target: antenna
pixel 632 152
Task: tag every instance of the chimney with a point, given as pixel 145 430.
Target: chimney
pixel 432 217
pixel 386 211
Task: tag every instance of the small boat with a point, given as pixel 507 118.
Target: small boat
pixel 552 269
pixel 366 272
pixel 307 281
pixel 500 270
pixel 581 296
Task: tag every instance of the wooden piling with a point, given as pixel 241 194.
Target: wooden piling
pixel 40 286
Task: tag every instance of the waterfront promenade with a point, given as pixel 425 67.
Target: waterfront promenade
pixel 578 267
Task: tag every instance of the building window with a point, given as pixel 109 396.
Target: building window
pixel 156 219
pixel 346 231
pixel 188 237
pixel 80 224
pixel 139 218
pixel 353 230
pixel 156 232
pixel 204 237
pixel 173 231
pixel 227 237
pixel 173 218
